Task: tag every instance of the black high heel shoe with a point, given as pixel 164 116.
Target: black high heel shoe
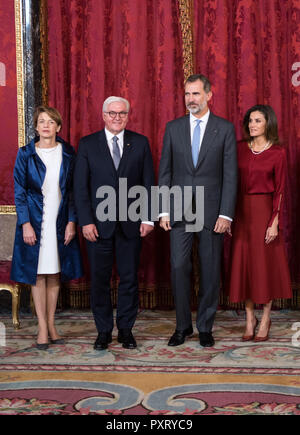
pixel 58 341
pixel 42 346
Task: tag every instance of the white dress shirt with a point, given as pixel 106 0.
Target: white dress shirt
pixel 109 138
pixel 203 124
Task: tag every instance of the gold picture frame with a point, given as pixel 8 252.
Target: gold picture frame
pixel 20 73
pixel 186 24
pixel 11 209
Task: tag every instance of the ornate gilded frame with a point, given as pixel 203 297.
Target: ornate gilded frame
pixel 186 23
pixel 11 209
pixel 20 73
pixel 24 72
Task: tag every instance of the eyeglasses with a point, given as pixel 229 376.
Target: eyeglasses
pixel 113 115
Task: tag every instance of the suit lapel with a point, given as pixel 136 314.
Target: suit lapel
pixel 105 152
pixel 186 140
pixel 209 135
pixel 127 146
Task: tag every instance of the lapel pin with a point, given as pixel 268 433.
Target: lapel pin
pixel 128 144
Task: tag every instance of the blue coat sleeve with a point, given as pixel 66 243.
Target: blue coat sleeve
pixel 20 187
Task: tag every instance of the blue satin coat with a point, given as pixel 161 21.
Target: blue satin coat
pixel 29 175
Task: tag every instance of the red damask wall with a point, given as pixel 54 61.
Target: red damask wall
pixel 249 49
pixel 8 101
pixel 129 48
pixel 251 52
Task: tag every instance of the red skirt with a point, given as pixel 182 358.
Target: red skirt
pixel 257 271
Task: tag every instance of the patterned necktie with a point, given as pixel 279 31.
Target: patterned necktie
pixel 196 143
pixel 116 152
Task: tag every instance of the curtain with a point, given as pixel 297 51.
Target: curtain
pixel 248 49
pixel 129 48
pixel 8 102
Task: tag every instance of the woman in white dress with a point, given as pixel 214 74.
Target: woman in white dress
pixel 48 250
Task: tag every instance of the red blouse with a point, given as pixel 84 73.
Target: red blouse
pixel 263 173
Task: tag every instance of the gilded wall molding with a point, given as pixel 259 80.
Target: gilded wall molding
pixel 11 209
pixel 186 23
pixel 20 73
pixel 7 209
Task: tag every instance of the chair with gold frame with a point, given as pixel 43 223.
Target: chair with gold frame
pixel 7 232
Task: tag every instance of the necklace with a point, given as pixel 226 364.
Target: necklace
pixel 261 151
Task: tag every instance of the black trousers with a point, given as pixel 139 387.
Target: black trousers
pixel 209 252
pixel 101 256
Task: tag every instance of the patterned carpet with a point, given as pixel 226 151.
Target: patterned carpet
pixel 231 378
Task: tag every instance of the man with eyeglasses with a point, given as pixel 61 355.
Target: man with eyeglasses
pixel 103 159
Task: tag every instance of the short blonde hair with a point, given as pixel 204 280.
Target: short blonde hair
pixel 51 111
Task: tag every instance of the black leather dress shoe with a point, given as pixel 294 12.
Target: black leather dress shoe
pixel 206 339
pixel 127 339
pixel 103 340
pixel 179 336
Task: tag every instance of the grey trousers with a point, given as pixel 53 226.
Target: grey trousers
pixel 209 251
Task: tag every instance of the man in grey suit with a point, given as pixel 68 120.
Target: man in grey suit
pixel 199 150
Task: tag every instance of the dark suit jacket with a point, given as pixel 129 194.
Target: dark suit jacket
pixel 94 168
pixel 216 169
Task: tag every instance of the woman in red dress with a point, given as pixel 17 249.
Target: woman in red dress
pixel 258 269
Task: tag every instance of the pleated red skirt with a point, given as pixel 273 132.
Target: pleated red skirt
pixel 257 271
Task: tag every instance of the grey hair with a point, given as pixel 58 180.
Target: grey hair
pixel 115 100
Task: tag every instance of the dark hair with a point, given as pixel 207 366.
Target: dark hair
pixel 271 131
pixel 51 111
pixel 206 83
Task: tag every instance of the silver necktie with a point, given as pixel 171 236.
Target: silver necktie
pixel 116 152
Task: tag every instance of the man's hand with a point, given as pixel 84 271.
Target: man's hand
pixel 223 225
pixel 70 232
pixel 146 229
pixel 164 223
pixel 90 232
pixel 29 236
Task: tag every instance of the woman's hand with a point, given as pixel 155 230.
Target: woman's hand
pixel 29 236
pixel 70 232
pixel 272 232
